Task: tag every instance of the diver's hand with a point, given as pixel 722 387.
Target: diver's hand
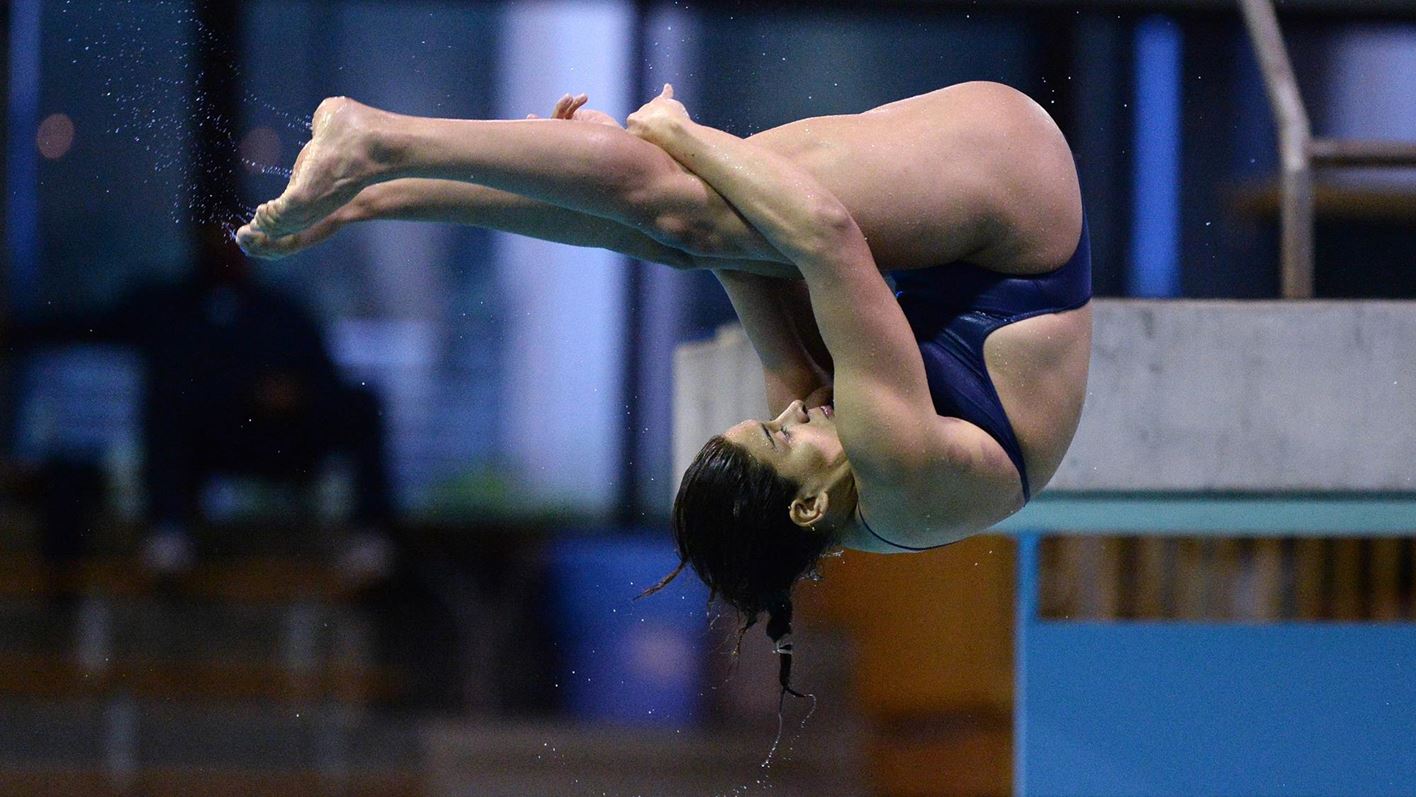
pixel 821 396
pixel 659 119
pixel 573 107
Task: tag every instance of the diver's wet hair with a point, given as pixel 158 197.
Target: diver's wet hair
pixel 732 526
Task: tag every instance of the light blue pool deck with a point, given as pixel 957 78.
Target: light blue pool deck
pixel 1197 708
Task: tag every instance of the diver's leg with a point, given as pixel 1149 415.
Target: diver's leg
pixel 591 168
pixel 423 199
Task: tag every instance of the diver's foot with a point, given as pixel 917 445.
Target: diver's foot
pixel 343 156
pixel 256 243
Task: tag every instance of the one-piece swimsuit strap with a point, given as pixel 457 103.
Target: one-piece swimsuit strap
pixel 860 513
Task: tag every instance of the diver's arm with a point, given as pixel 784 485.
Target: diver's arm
pixel 881 394
pixel 767 308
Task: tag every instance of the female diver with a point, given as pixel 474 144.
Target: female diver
pixel 908 419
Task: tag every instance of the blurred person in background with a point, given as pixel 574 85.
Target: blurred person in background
pixel 237 381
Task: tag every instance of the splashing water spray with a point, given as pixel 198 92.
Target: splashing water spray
pixel 170 114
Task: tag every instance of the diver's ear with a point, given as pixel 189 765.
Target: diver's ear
pixel 808 510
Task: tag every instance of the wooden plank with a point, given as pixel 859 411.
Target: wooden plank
pixel 1222 594
pixel 186 781
pixel 506 758
pixel 1127 577
pixel 1108 577
pixel 1384 579
pixel 246 580
pixel 1094 572
pixel 1310 600
pixel 57 782
pixel 1191 587
pixel 1059 584
pixel 30 675
pixel 1347 593
pixel 208 782
pixel 1155 564
pixel 1266 595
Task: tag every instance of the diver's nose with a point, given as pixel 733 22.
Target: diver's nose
pixel 794 413
pixel 791 413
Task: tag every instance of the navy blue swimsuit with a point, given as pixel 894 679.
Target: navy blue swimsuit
pixel 954 307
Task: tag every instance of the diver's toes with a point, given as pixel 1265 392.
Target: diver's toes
pixel 253 243
pixel 267 217
pixel 246 238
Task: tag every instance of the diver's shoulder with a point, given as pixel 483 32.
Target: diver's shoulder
pixel 965 485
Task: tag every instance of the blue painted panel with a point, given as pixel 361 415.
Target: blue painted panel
pixel 1029 571
pixel 1155 236
pixel 1171 709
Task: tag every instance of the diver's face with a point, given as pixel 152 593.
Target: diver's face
pixel 800 444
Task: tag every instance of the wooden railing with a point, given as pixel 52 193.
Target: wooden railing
pixel 1250 580
pixel 1300 153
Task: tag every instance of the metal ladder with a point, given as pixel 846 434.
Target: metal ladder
pixel 1300 153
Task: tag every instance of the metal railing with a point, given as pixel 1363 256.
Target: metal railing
pixel 1300 153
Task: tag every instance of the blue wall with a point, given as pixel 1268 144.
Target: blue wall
pixel 1135 708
